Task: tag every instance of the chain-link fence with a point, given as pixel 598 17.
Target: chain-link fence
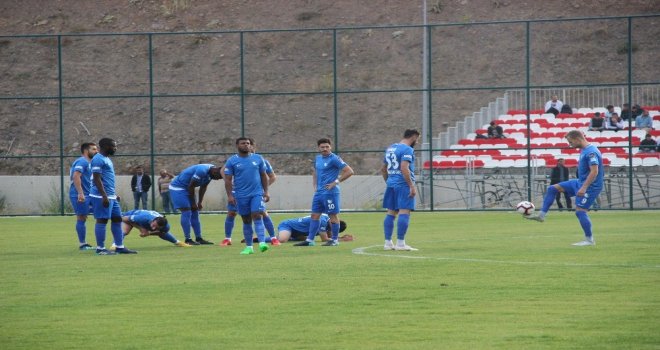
pixel 176 99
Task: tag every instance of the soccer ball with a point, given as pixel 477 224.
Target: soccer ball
pixel 525 208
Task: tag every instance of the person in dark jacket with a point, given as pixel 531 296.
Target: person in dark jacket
pixel 560 174
pixel 140 185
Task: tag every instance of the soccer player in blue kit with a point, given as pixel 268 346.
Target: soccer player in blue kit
pixel 105 200
pixel 329 170
pixel 182 194
pixel 149 223
pixel 399 173
pixel 232 210
pixel 246 184
pixel 81 181
pixel 585 188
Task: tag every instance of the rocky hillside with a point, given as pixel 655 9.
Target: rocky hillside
pixel 287 125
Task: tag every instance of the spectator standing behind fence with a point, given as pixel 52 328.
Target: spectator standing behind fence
pixel 495 131
pixel 140 185
pixel 644 121
pixel 615 123
pixel 554 105
pixel 648 144
pixel 597 122
pixel 164 190
pixel 560 174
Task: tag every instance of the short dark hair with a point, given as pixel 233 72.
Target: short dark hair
pixel 597 114
pixel 242 139
pixel 410 133
pixel 86 146
pixel 106 142
pixel 323 140
pixel 609 106
pixel 342 226
pixel 162 224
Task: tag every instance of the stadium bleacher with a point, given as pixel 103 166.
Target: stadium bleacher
pixel 545 133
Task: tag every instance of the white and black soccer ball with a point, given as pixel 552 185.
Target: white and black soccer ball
pixel 525 208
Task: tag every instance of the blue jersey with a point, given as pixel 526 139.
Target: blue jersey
pixel 143 218
pixel 269 169
pixel 103 165
pixel 327 171
pixel 589 156
pixel 394 156
pixel 84 167
pixel 302 224
pixel 198 173
pixel 246 172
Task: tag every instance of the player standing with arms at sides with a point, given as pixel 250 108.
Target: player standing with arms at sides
pixel 399 173
pixel 105 200
pixel 231 209
pixel 246 184
pixel 329 170
pixel 81 181
pixel 585 188
pixel 182 195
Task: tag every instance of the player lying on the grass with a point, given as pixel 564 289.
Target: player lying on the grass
pixel 297 229
pixel 149 223
pixel 585 188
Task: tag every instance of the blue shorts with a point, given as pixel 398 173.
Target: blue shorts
pixel 249 205
pixel 81 208
pixel 180 199
pixel 231 207
pixel 100 212
pixel 295 235
pixel 396 198
pixel 326 203
pixel 572 186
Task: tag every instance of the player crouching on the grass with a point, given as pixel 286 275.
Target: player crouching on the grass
pixel 149 223
pixel 585 188
pixel 297 229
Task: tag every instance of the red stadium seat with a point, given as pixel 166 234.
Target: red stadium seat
pixel 570 163
pixel 445 164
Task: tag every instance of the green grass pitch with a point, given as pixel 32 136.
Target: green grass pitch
pixel 479 281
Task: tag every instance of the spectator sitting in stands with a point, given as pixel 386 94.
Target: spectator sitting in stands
pixel 554 105
pixel 610 110
pixel 597 122
pixel 495 131
pixel 636 111
pixel 615 123
pixel 648 145
pixel 625 112
pixel 566 109
pixel 644 121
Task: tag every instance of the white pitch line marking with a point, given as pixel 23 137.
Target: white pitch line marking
pixel 362 251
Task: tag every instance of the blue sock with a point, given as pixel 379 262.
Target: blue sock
pixel 229 225
pixel 81 230
pixel 388 225
pixel 313 229
pixel 268 239
pixel 196 225
pixel 99 232
pixel 185 223
pixel 585 222
pixel 550 196
pixel 335 231
pixel 247 234
pixel 259 228
pixel 268 224
pixel 168 237
pixel 117 234
pixel 402 226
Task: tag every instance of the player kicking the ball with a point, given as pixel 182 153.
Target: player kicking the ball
pixel 585 188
